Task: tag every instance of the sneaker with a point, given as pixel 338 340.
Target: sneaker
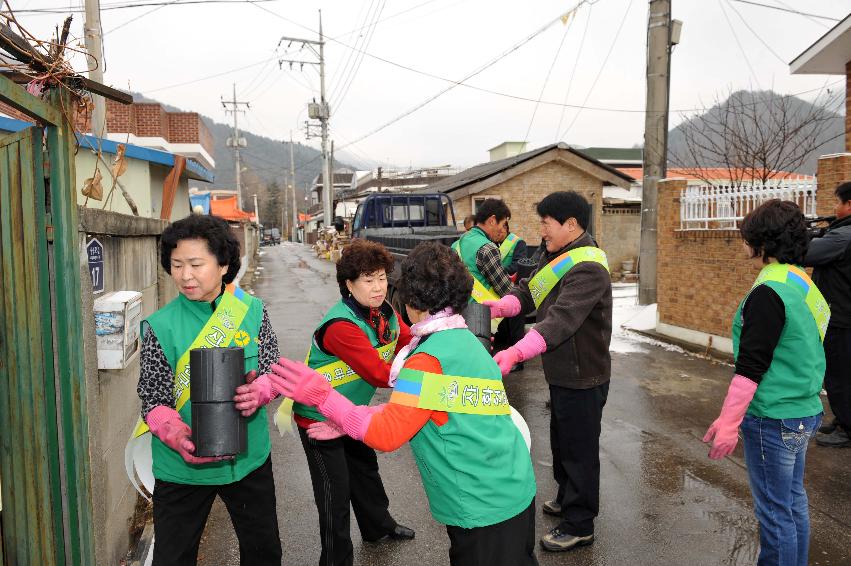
pixel 551 508
pixel 558 541
pixel 827 428
pixel 836 439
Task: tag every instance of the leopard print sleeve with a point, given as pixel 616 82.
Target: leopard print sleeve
pixel 268 348
pixel 156 380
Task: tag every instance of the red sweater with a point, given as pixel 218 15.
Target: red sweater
pixel 349 343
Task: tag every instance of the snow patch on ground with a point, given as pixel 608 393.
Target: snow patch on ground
pixel 628 315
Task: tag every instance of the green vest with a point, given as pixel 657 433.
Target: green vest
pixel 359 392
pixel 467 247
pixel 506 249
pixel 790 388
pixel 176 325
pixel 476 469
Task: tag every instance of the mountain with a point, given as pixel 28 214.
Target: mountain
pixel 816 128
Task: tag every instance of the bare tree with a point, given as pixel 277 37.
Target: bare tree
pixel 755 136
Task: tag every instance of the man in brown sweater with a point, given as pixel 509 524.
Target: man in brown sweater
pixel 572 292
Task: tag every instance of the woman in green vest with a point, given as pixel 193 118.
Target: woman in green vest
pixel 778 331
pixel 449 402
pixel 202 257
pixel 352 348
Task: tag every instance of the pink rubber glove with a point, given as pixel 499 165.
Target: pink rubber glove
pixel 724 432
pixel 298 382
pixel 352 419
pixel 325 430
pixel 165 423
pixel 508 306
pixel 528 347
pixel 254 394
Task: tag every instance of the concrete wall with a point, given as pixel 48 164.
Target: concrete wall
pixel 524 191
pixel 131 262
pixel 623 235
pixel 142 180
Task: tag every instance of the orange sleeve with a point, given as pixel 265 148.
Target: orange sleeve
pixel 396 424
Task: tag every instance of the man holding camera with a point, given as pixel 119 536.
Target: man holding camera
pixel 830 256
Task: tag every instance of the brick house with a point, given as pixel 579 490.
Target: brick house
pixel 523 179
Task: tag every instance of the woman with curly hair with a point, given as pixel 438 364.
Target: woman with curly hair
pixel 202 257
pixel 774 394
pixel 449 402
pixel 352 348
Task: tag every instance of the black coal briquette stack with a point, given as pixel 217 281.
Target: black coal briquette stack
pixel 217 427
pixel 478 319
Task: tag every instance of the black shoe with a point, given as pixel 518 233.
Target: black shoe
pixel 551 507
pixel 828 428
pixel 558 541
pixel 399 532
pixel 836 439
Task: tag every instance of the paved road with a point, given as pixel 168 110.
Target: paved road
pixel 663 502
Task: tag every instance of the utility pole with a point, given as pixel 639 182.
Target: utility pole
pixel 655 139
pixel 94 47
pixel 294 225
pixel 318 111
pixel 256 209
pixel 236 141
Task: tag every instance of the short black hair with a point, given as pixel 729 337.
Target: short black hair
pixel 362 257
pixel 843 191
pixel 777 229
pixel 562 205
pixel 214 230
pixel 433 278
pixel 492 207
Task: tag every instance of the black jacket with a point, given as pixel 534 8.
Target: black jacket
pixel 830 255
pixel 575 320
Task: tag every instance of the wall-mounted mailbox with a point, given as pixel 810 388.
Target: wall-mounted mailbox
pixel 117 318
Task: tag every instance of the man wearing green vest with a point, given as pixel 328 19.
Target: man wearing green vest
pixel 511 330
pixel 480 253
pixel 572 292
pixel 202 256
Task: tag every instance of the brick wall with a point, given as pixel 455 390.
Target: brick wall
pixel 524 191
pixel 848 106
pixel 151 121
pixel 702 275
pixel 12 113
pixel 623 235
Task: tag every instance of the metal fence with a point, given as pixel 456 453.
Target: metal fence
pixel 722 206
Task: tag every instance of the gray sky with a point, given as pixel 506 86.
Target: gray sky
pixel 449 38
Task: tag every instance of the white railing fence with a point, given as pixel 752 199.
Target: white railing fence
pixel 722 206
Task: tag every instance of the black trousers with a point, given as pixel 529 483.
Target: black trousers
pixel 509 543
pixel 837 377
pixel 510 331
pixel 180 513
pixel 345 471
pixel 575 416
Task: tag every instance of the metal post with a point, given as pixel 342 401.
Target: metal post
pixel 294 225
pixel 256 209
pixel 234 103
pixel 655 140
pixel 327 174
pixel 94 47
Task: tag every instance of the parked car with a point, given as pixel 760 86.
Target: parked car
pixel 271 237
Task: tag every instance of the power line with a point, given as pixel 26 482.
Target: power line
pixel 359 61
pixel 739 43
pixel 788 10
pixel 573 70
pixel 341 69
pixel 484 67
pixel 602 67
pixel 131 5
pixel 756 35
pixel 208 77
pixel 547 78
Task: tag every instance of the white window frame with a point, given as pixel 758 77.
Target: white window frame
pixel 474 199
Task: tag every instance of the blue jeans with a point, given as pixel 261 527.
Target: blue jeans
pixel 775 453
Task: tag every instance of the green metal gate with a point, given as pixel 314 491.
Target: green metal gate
pixel 46 515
